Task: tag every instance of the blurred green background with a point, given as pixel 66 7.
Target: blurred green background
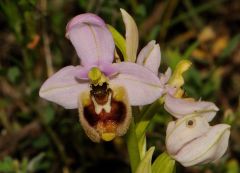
pixel 38 136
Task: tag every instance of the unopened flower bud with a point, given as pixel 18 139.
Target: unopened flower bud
pixel 191 141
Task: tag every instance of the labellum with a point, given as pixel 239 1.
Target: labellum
pixel 104 111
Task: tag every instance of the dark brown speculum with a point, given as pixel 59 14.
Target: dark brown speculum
pixel 100 93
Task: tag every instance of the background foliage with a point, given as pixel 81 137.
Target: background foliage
pixel 38 136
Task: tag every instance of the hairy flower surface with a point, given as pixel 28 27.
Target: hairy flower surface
pixel 101 89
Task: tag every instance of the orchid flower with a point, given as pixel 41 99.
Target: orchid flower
pixel 190 139
pixel 101 89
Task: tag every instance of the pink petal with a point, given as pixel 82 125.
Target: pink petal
pixel 63 87
pixel 207 148
pixel 142 85
pixel 137 71
pixel 180 107
pixel 166 76
pixel 91 38
pixel 84 18
pixel 144 52
pixel 82 73
pixel 150 56
pixel 108 69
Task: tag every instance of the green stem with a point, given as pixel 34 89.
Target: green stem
pixel 132 145
pixel 146 118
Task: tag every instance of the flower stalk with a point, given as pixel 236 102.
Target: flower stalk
pixel 132 145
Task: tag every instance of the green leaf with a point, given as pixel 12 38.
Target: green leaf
pixel 142 143
pixel 13 74
pixel 24 164
pixel 82 3
pixel 6 165
pixel 48 114
pixel 232 166
pixel 153 34
pixel 13 17
pixel 41 142
pixel 229 117
pixel 145 164
pixel 172 57
pixel 230 48
pixel 163 163
pixel 141 10
pixel 190 49
pixel 119 41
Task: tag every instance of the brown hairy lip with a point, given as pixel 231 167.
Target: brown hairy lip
pixel 107 121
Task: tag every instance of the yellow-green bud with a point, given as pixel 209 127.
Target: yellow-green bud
pixel 177 79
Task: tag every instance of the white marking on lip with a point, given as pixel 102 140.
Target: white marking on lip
pixel 106 107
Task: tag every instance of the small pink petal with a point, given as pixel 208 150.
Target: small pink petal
pixel 170 89
pixel 63 87
pixel 150 56
pixel 181 107
pixel 91 38
pixel 145 52
pixel 142 85
pixel 165 77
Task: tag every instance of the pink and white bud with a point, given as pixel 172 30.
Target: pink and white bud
pixel 191 141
